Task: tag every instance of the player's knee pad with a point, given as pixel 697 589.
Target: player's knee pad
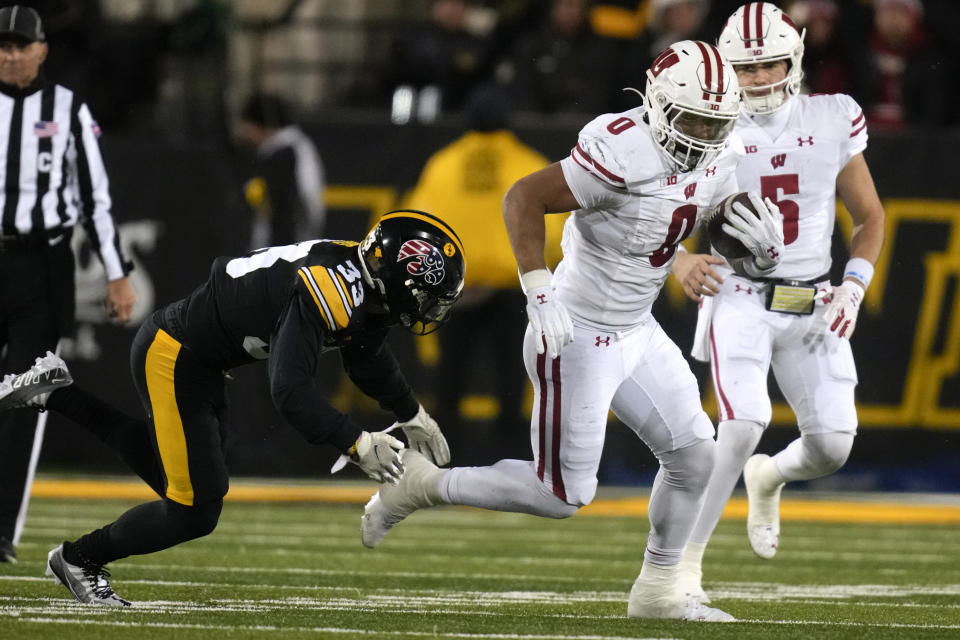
pixel 827 452
pixel 198 520
pixel 689 467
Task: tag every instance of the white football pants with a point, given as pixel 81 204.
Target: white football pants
pixel 642 376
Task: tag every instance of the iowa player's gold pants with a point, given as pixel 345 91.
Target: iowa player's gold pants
pixel 184 401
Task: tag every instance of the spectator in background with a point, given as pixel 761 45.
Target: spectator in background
pixel 832 64
pixel 670 21
pixel 286 190
pixel 447 55
pixel 464 183
pixel 563 66
pixel 910 77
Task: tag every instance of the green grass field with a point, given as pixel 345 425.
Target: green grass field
pixel 298 570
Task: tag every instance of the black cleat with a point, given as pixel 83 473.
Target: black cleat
pixel 7 554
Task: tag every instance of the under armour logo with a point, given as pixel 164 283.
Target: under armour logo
pixel 772 252
pixel 778 160
pixel 605 341
pixel 738 288
pixel 801 141
pixel 542 298
pixel 689 190
pixel 708 173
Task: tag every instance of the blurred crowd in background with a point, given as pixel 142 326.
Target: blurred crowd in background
pixel 206 107
pixel 182 68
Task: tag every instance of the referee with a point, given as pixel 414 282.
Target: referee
pixel 51 177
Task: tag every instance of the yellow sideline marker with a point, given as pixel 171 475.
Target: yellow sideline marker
pixel 790 509
pixel 808 510
pixel 238 492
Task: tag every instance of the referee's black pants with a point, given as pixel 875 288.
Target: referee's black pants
pixel 178 450
pixel 36 306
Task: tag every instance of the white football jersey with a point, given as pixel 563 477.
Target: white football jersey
pixel 793 157
pixel 635 208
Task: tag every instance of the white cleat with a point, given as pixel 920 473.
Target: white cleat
pixel 763 513
pixel 689 587
pixel 690 574
pixel 417 489
pixel 675 609
pixel 32 387
pixel 649 599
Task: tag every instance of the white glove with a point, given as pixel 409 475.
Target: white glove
pixel 841 315
pixel 763 235
pixel 378 454
pixel 424 436
pixel 548 317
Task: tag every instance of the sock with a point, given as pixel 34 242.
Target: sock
pixel 146 528
pixel 125 435
pixel 676 500
pixel 693 555
pixel 736 441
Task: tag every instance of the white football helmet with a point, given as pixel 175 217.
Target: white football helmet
pixel 760 32
pixel 692 102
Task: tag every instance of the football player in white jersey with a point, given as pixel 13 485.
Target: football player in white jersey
pixel 800 152
pixel 638 182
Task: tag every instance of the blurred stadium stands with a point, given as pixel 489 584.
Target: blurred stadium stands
pixel 165 77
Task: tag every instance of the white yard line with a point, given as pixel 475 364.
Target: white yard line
pixel 441 634
pixel 865 595
pixel 340 630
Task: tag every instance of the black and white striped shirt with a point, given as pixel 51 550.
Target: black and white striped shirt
pixel 51 171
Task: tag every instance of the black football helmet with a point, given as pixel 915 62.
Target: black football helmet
pixel 416 263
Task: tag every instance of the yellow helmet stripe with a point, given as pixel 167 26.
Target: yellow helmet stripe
pixel 433 221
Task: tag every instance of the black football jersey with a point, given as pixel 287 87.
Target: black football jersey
pixel 230 319
pixel 290 304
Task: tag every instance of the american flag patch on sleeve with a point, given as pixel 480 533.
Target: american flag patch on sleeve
pixel 44 129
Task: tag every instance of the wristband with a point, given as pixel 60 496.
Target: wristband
pixel 860 270
pixel 535 279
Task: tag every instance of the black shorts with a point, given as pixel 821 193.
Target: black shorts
pixel 185 404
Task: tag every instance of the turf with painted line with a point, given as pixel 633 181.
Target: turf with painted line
pixel 297 570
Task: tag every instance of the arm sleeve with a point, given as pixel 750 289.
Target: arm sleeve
pixel 372 366
pixel 93 188
pixel 292 368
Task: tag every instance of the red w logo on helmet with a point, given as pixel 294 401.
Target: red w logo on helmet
pixel 664 61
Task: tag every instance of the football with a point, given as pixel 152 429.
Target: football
pixel 725 244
